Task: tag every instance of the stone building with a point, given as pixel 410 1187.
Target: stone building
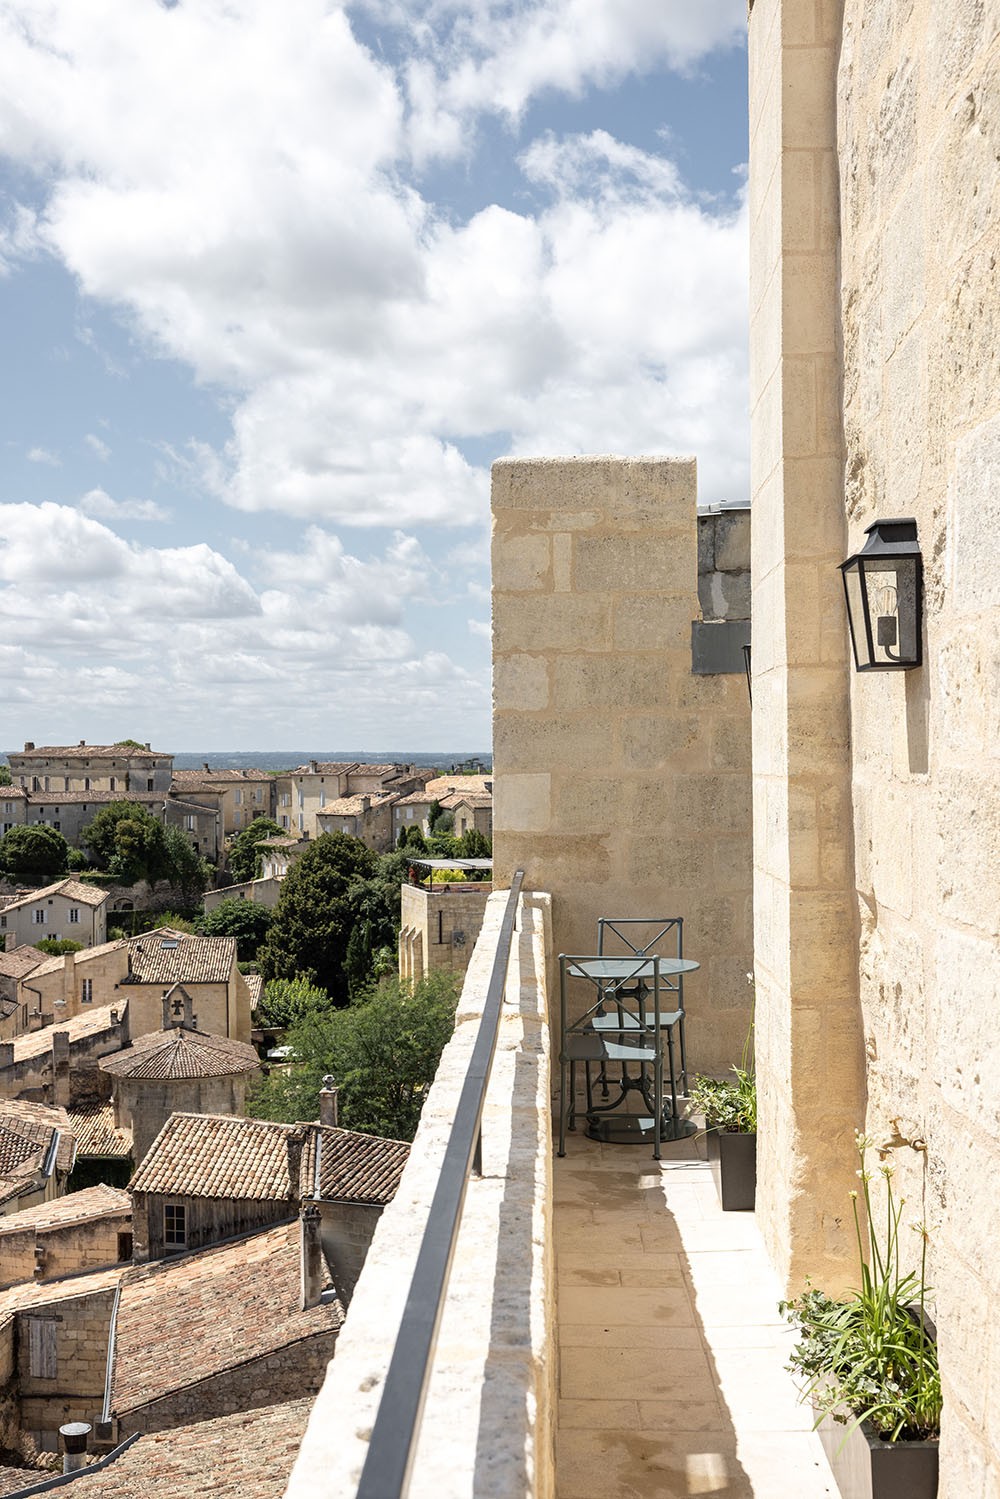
pixel 59 1063
pixel 366 815
pixel 239 796
pixel 622 781
pixel 66 908
pixel 16 963
pixel 37 1151
pixel 91 767
pixel 139 971
pixel 72 1235
pixel 439 926
pixel 310 788
pixel 176 1070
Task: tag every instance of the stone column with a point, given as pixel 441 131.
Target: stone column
pixel 809 1034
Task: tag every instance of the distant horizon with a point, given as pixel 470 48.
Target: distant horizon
pixel 254 758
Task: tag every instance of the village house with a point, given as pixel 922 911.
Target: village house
pixel 72 1235
pixel 58 1064
pixel 278 853
pixel 91 767
pixel 13 804
pixel 303 792
pixel 176 1070
pixel 264 892
pixel 474 793
pixel 239 796
pixel 366 815
pixel 141 970
pixel 68 908
pixel 16 963
pixel 71 812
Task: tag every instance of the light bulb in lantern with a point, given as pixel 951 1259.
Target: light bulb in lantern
pixel 886 604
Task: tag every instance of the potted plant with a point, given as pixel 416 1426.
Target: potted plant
pixel 730 1109
pixel 870 1360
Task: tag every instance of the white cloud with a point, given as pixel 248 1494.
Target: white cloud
pixel 42 455
pixel 98 502
pixel 98 447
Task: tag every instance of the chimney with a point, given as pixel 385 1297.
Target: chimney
pixel 9 941
pixel 294 1142
pixel 82 743
pixel 328 1103
pixel 29 745
pixel 204 762
pixel 74 1435
pixel 314 1274
pixel 7 1055
pixel 60 1069
pixel 314 767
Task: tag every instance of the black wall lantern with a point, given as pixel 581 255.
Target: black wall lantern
pixel 884 588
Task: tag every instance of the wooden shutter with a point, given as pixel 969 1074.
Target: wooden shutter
pixel 42 1360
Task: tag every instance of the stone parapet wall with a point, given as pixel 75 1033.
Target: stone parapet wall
pixel 488 1421
pixel 441 927
pixel 622 780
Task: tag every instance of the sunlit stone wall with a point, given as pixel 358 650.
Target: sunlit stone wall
pixel 621 779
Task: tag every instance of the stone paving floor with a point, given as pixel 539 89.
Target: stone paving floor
pixel 671 1350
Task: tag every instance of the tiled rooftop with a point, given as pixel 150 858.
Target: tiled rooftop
pixel 96 1134
pixel 87 895
pixel 76 1207
pixel 180 1053
pixel 37 1122
pixel 93 798
pixel 30 1294
pixel 358 1168
pixel 193 960
pixel 56 965
pixel 255 984
pixel 245 1456
pixel 90 752
pixel 188 1318
pixel 222 1155
pixel 21 961
pixel 78 1027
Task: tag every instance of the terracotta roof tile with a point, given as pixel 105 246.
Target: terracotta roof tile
pixel 79 1028
pixel 94 798
pixel 29 1294
pixel 97 1135
pixel 255 983
pixel 187 960
pixel 244 1456
pixel 227 1305
pixel 71 889
pixel 180 1053
pixel 38 1122
pixel 93 1202
pixel 359 1168
pixel 12 793
pixel 222 1155
pixel 90 752
pixel 21 960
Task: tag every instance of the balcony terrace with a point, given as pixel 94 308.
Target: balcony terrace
pixel 608 1332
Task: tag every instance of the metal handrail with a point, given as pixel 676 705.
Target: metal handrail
pixel 386 1472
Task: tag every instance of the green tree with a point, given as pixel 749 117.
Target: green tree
pixel 287 1002
pixel 474 845
pixel 6 778
pixel 128 842
pixel 129 744
pixel 57 947
pixel 184 867
pixel 314 916
pixel 415 840
pixel 382 1051
pixel 33 854
pixel 443 846
pixel 244 851
pixel 245 920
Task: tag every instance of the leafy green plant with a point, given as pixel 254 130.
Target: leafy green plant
pixel 728 1104
pixel 872 1357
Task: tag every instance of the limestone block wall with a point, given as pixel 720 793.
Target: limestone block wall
pixel 809 1036
pixel 76 1392
pixel 346 1230
pixel 442 927
pixel 621 780
pixel 921 305
pixel 286 1374
pixel 144 1104
pixel 69 1248
pixel 489 1417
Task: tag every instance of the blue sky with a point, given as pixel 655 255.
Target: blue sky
pixel 277 284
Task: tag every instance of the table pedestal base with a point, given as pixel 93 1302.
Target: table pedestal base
pixel 636 1129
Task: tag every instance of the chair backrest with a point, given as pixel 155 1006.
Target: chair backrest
pixel 639 979
pixel 644 936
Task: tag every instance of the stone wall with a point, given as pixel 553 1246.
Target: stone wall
pixel 81 1083
pixel 286 1374
pixel 69 1248
pixel 488 1421
pixel 920 197
pixel 144 1105
pixel 439 928
pixel 622 780
pixel 209 1220
pixel 346 1230
pixel 76 1393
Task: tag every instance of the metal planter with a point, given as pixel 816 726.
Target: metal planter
pixel 733 1159
pixel 865 1467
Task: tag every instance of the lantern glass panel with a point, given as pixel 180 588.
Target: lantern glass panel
pixel 857 617
pixel 891 588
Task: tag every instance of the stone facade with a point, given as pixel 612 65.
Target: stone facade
pixel 143 1105
pixel 66 908
pixel 208 1220
pixel 62 1363
pixel 91 767
pixel 52 1251
pixel 439 928
pixel 294 1370
pixel 622 779
pixel 874 195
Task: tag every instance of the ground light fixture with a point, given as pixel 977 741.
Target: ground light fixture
pixel 883 584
